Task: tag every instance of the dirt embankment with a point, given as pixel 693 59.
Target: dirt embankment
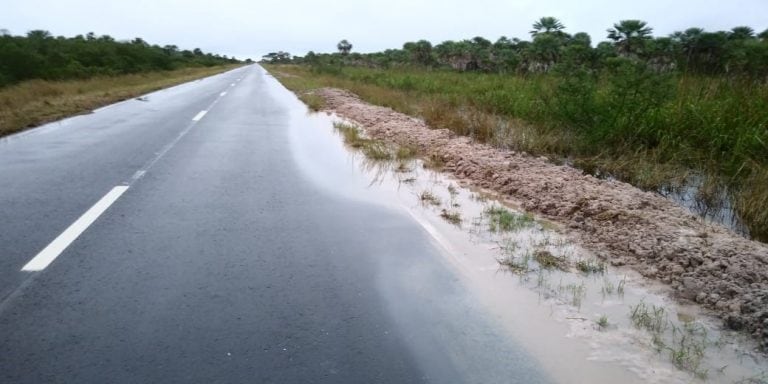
pixel 622 224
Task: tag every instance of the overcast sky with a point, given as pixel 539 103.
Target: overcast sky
pixel 251 28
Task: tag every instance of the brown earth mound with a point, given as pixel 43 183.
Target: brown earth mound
pixel 622 224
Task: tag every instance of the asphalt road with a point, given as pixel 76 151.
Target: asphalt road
pixel 214 259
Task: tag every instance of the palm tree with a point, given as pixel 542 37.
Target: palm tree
pixel 547 25
pixel 630 35
pixel 741 33
pixel 344 47
pixel 763 35
pixel 421 51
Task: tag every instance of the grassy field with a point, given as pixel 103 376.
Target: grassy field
pixel 31 103
pixel 657 132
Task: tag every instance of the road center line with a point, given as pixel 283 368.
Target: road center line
pixel 59 244
pixel 199 115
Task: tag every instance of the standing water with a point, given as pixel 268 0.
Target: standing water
pixel 581 319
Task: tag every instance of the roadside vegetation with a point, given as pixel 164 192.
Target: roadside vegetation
pixel 44 78
pixel 689 109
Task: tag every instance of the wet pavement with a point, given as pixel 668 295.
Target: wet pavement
pixel 225 259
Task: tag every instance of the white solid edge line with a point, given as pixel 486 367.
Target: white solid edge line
pixel 59 244
pixel 199 115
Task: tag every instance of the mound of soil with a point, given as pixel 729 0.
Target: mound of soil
pixel 623 225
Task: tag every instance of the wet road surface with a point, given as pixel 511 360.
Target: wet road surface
pixel 217 259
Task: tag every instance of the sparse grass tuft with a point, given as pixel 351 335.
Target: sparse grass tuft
pixel 651 318
pixel 602 322
pixel 549 261
pixel 376 150
pixel 428 197
pixel 590 266
pixel 435 162
pixel 313 101
pixel 519 265
pixel 373 149
pixel 452 216
pixel 402 167
pixel 405 152
pixel 502 220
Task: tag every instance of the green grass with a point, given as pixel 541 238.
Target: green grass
pixel 651 318
pixel 590 266
pixel 314 102
pixel 31 103
pixel 373 149
pixel 602 322
pixel 652 131
pixel 502 220
pixel 549 261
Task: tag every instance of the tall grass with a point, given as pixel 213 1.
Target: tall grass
pixel 34 102
pixel 632 123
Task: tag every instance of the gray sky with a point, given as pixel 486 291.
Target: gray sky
pixel 252 28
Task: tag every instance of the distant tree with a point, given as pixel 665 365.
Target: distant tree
pixel 581 38
pixel 344 47
pixel 38 35
pixel 170 50
pixel 4 32
pixel 547 25
pixel 277 57
pixel 763 35
pixel 544 52
pixel 421 52
pixel 40 55
pixel 630 35
pixel 741 33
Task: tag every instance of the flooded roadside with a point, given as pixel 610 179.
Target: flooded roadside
pixel 583 320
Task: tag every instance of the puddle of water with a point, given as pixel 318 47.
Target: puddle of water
pixel 579 325
pixel 717 209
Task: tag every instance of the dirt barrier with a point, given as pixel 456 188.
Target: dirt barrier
pixel 621 224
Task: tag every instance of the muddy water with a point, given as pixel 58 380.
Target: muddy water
pixel 555 313
pixel 718 209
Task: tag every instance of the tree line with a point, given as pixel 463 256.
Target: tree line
pixel 739 51
pixel 39 55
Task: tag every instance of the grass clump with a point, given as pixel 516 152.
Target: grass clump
pixel 313 101
pixel 451 216
pixel 575 293
pixel 502 220
pixel 549 261
pixel 519 265
pixel 688 348
pixel 376 150
pixel 590 266
pixel 405 152
pixel 373 149
pixel 602 322
pixel 651 318
pixel 427 197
